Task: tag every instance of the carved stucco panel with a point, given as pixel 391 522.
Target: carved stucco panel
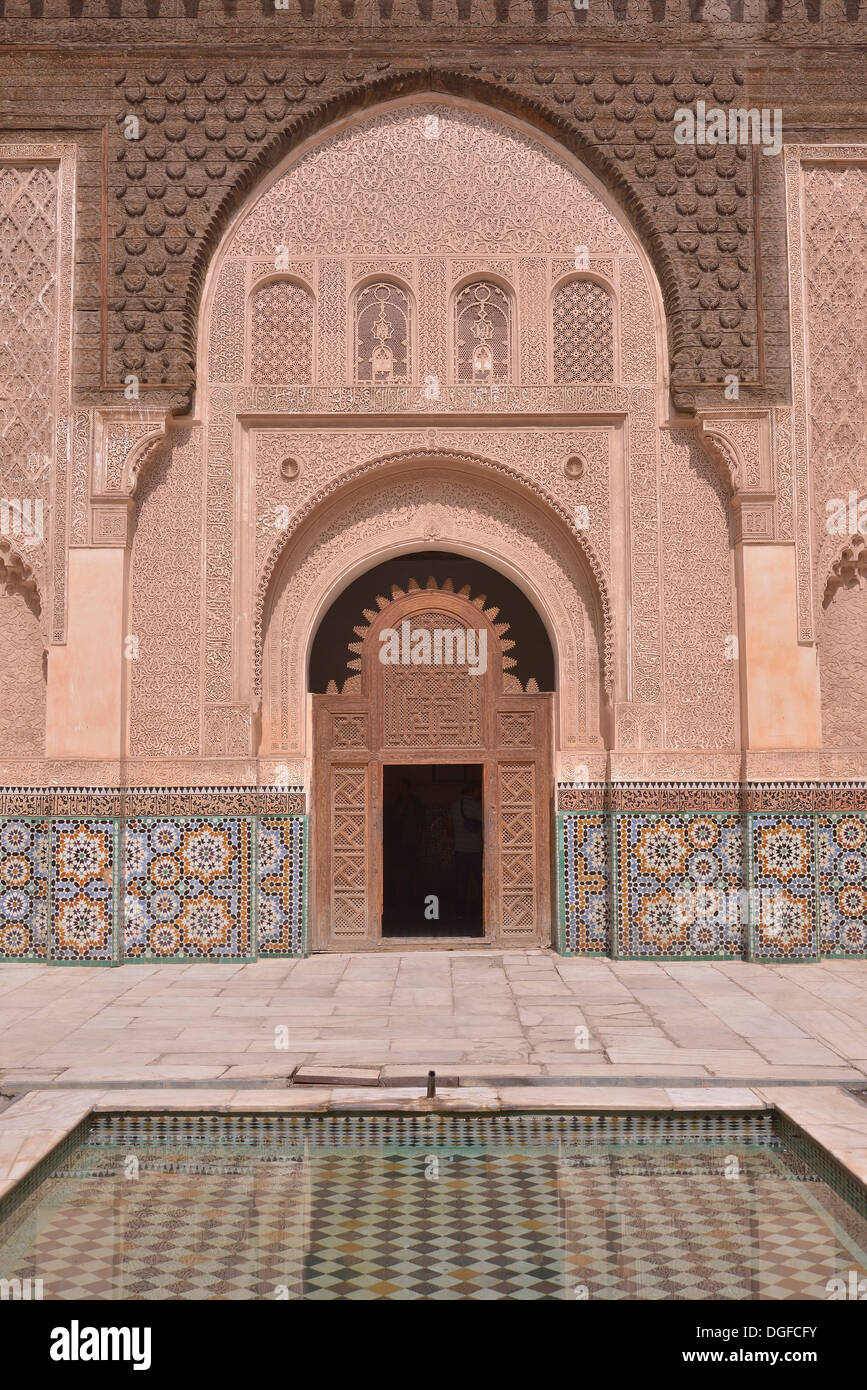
pixel 409 513
pixel 263 270
pixel 37 231
pixel 325 456
pixel 741 443
pixel 645 587
pixel 835 274
pixel 22 677
pixel 533 306
pixel 481 187
pixel 60 526
pixel 165 585
pixel 220 531
pixel 415 192
pixel 638 345
pixel 843 668
pixel 80 474
pixel 381 265
pixel 331 316
pixel 483 196
pixel 119 438
pixel 826 194
pixel 784 472
pixel 701 687
pixel 432 324
pixel 226 334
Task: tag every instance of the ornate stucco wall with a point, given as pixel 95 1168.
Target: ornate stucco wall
pixel 183 487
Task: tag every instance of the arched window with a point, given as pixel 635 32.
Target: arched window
pixel 583 333
pixel 483 333
pixel 281 334
pixel 383 347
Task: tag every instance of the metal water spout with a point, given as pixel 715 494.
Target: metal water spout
pixel 431 1085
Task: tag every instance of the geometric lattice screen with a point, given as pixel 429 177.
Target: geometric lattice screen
pixel 583 333
pixel 28 316
pixel 281 332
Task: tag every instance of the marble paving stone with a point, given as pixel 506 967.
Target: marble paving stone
pixel 498 1009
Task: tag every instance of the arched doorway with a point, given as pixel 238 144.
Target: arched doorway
pixel 432 781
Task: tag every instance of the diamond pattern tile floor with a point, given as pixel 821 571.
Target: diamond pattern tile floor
pixel 571 1221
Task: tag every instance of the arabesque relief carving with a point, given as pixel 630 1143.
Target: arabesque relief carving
pixel 417 503
pixel 623 118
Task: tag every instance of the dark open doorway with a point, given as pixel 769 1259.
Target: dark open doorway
pixel 432 850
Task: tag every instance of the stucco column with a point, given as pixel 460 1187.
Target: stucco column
pixel 85 694
pixel 779 676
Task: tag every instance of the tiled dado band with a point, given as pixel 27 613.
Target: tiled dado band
pixel 103 877
pixel 777 874
pixel 644 872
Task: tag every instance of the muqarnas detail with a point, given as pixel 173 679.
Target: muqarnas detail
pixel 187 888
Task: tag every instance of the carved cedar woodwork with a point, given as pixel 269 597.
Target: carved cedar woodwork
pixel 517 847
pixel 620 116
pixel 348 828
pixel 401 711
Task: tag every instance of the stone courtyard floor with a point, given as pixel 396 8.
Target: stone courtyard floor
pixel 483 1017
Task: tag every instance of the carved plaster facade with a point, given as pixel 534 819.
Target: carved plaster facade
pixel 646 536
pixel 287 294
pixel 473 198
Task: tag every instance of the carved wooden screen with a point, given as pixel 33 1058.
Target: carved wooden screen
pixel 395 711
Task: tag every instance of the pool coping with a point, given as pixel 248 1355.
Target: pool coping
pixel 39 1121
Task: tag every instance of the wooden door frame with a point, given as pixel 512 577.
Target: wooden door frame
pixel 348 732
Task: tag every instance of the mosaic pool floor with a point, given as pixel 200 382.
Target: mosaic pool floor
pixel 403 1210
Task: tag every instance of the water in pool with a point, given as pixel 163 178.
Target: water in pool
pixel 437 1207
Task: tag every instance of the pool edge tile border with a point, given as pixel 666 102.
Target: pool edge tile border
pixel 39 1121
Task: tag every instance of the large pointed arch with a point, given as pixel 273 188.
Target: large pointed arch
pixel 406 504
pixel 589 159
pixel 395 465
